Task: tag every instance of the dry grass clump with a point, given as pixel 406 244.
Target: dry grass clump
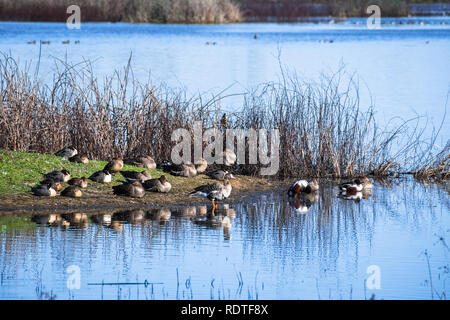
pixel 323 131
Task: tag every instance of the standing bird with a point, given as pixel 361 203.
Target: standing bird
pixel 44 190
pixel 101 176
pixel 115 165
pixel 134 175
pixel 157 185
pixel 144 161
pixel 72 191
pixel 303 186
pixel 58 176
pixel 132 189
pixel 79 182
pixel 79 158
pixel 213 191
pixel 67 152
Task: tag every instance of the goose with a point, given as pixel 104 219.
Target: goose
pixel 220 175
pixel 79 158
pixel 186 169
pixel 101 176
pixel 144 161
pixel 67 152
pixel 201 165
pixel 79 182
pixel 115 165
pixel 303 186
pixel 157 185
pixel 44 190
pixel 72 191
pixel 214 191
pixel 134 175
pixel 132 189
pixel 354 186
pixel 58 176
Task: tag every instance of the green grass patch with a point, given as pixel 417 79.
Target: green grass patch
pixel 20 171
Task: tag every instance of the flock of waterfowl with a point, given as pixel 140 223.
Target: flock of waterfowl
pixel 137 183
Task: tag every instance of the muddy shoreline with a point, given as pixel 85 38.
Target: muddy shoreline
pixel 103 199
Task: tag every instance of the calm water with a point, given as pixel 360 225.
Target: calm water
pixel 274 250
pixel 404 68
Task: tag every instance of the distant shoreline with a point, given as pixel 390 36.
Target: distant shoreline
pixel 213 12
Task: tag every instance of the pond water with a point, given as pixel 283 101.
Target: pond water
pixel 261 247
pixel 404 66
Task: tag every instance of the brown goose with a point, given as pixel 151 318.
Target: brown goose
pixel 145 162
pixel 158 185
pixel 133 189
pixel 134 175
pixel 214 191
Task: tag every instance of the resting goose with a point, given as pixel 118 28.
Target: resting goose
pixel 145 162
pixel 303 186
pixel 67 152
pixel 132 189
pixel 58 176
pixel 220 175
pixel 186 169
pixel 136 176
pixel 157 185
pixel 115 165
pixel 101 176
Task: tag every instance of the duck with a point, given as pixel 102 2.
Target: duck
pixel 79 182
pixel 66 42
pixel 115 165
pixel 103 176
pixel 55 184
pixel 132 189
pixel 187 169
pixel 72 191
pixel 351 195
pixel 45 42
pixel 58 176
pixel 201 165
pixel 79 159
pixel 32 42
pixel 44 190
pixel 143 161
pixel 77 41
pixel 214 191
pixel 303 186
pixel 157 185
pixel 67 152
pixel 220 174
pixel 355 186
pixel 134 175
pixel 366 183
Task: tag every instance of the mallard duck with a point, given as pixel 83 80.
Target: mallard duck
pixel 101 176
pixel 134 175
pixel 79 182
pixel 144 161
pixel 79 158
pixel 115 165
pixel 132 189
pixel 220 174
pixel 58 176
pixel 186 169
pixel 72 191
pixel 201 165
pixel 303 186
pixel 67 152
pixel 354 186
pixel 214 191
pixel 44 190
pixel 157 185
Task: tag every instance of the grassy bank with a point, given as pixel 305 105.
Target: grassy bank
pixel 198 11
pixel 20 171
pixel 323 130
